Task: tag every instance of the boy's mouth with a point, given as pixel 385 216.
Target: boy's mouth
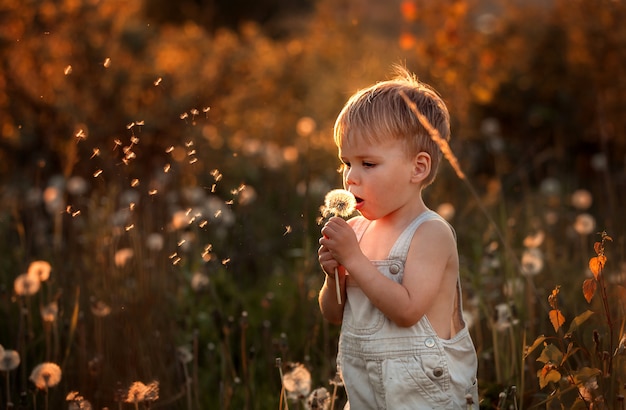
pixel 359 201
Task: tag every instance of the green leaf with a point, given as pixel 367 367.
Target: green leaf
pixel 538 342
pixel 579 320
pixel 584 374
pixel 551 354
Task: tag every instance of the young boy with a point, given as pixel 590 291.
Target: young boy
pixel 403 342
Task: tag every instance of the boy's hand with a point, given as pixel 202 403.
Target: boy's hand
pixel 339 241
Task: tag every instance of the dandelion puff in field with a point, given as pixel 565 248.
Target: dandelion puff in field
pixel 139 392
pixel 77 402
pixel 46 375
pixel 532 262
pixel 40 269
pixel 582 199
pixel 338 202
pixel 585 224
pixel 50 312
pixel 9 359
pixel 297 381
pixel 199 281
pixel 319 399
pixel 26 285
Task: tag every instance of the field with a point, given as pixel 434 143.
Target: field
pixel 161 181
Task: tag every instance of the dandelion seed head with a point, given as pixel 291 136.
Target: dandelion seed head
pixel 297 381
pixel 123 256
pixel 26 285
pixel 9 360
pixel 46 375
pixel 446 210
pixel 585 224
pixel 50 312
pixel 319 399
pixel 532 262
pixel 339 202
pixel 77 185
pixel 100 309
pixel 40 269
pixel 199 281
pixel 582 199
pixel 183 354
pixel 534 240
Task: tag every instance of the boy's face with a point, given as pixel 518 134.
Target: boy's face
pixel 379 175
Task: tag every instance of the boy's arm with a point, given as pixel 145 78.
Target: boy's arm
pixel 331 310
pixel 403 303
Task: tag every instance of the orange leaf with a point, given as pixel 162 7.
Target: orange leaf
pixel 597 247
pixel 596 264
pixel 557 319
pixel 589 289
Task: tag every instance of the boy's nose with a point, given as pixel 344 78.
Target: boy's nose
pixel 350 177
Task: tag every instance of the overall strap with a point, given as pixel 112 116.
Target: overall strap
pixel 401 247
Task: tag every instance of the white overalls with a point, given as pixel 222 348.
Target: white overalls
pixel 387 367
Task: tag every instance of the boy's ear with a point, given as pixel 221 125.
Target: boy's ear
pixel 421 167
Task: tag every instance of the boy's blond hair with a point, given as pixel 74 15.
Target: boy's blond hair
pixel 380 112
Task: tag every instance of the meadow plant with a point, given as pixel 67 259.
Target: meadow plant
pixel 583 367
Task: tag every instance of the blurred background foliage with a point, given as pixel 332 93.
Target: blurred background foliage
pixel 169 159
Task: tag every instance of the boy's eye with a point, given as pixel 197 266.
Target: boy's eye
pixel 368 164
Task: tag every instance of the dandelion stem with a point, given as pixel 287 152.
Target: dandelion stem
pixel 337 287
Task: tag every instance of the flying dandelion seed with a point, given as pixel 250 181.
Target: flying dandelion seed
pixel 117 143
pixel 339 202
pixel 176 261
pixel 229 202
pixel 129 126
pixel 206 110
pixel 134 183
pixel 217 213
pixel 129 227
pixel 287 230
pixel 152 192
pixel 107 62
pixel 193 161
pixel 217 176
pixel 166 168
pixel 225 261
pixel 80 135
pixel 96 153
pixel 169 149
pixel 97 173
pixel 184 116
pixel 203 223
pixel 191 152
pixel 131 206
pixel 75 214
pixel 181 242
pixel 174 255
pixel 158 81
pixel 68 70
pixel 213 187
